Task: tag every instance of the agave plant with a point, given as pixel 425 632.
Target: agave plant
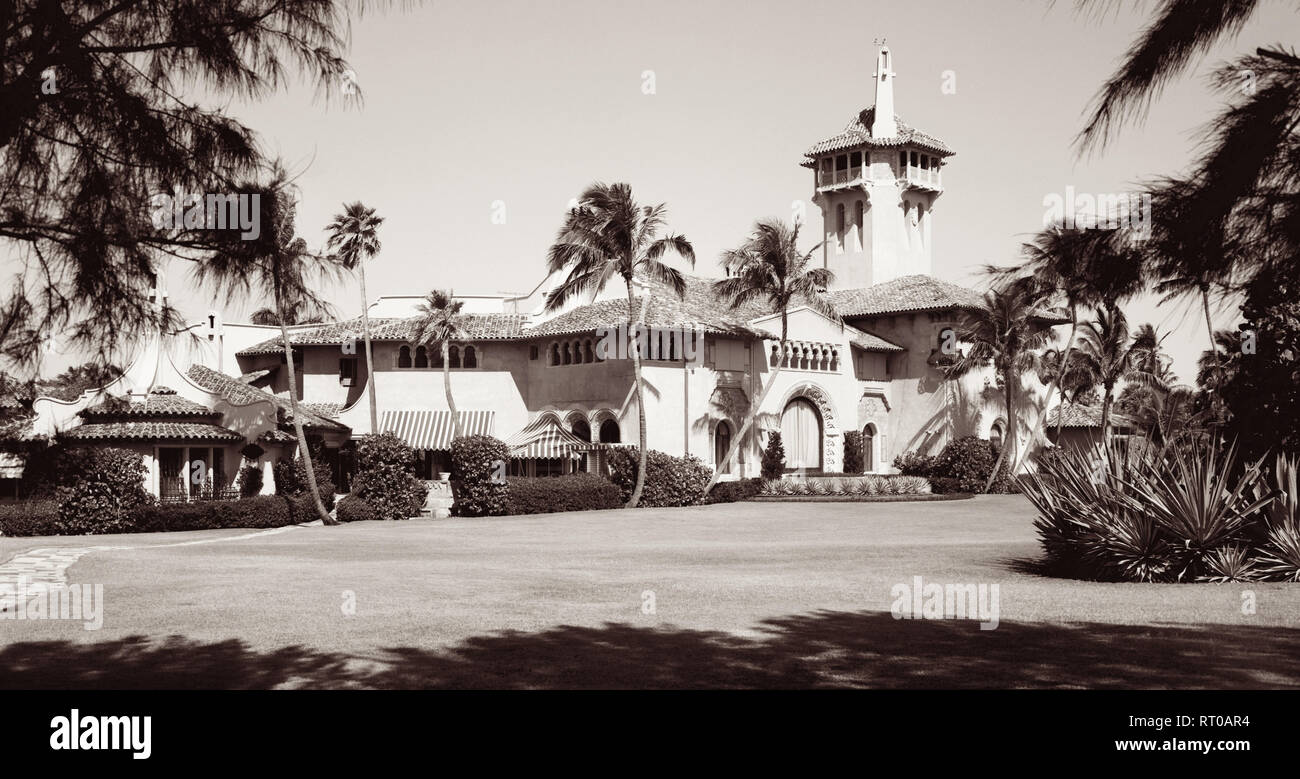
pixel 822 487
pixel 1280 557
pixel 862 485
pixel 785 487
pixel 1229 564
pixel 1196 499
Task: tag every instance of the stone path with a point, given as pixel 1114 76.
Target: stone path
pixel 49 566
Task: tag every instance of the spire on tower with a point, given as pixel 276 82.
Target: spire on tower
pixel 883 124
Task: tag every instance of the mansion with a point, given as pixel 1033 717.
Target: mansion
pixel 218 392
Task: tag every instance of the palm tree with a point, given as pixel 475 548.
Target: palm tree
pixel 1081 268
pixel 1180 30
pixel 768 266
pixel 354 235
pixel 1109 353
pixel 1004 330
pixel 606 235
pixel 269 317
pixel 277 265
pixel 440 324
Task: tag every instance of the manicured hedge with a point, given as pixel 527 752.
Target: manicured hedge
pixel 41 518
pixel 36 517
pixel 386 479
pixel 354 509
pixel 574 492
pixel 732 491
pixel 670 481
pixel 475 461
pixel 106 492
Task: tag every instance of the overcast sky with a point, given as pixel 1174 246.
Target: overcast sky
pixel 472 102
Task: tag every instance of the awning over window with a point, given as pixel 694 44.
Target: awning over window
pixel 545 440
pixel 435 429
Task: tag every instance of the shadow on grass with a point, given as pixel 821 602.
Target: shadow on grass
pixel 820 649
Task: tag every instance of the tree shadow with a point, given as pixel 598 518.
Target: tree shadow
pixel 823 649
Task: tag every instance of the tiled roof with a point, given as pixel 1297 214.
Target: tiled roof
pixel 858 133
pixel 150 431
pixel 162 402
pixel 1077 415
pixel 327 410
pixel 478 327
pixel 873 343
pixel 904 294
pixel 240 394
pixel 699 307
pixel 17 428
pixel 252 376
pixel 9 402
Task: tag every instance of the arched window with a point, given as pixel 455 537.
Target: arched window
pixel 435 358
pixel 579 427
pixel 568 354
pixel 839 222
pixel 555 354
pixel 471 357
pixel 995 435
pixel 421 357
pixel 776 355
pixel 404 356
pixel 453 357
pixel 721 445
pixel 869 448
pixel 609 433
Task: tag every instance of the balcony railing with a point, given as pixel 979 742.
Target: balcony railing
pixel 926 177
pixel 834 178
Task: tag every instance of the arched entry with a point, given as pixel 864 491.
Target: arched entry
pixel 721 444
pixel 801 435
pixel 869 448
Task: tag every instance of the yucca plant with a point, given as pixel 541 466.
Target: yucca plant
pixel 822 486
pixel 862 486
pixel 1229 564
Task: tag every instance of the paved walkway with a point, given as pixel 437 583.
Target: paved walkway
pixel 49 567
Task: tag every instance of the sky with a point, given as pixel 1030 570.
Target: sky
pixel 481 109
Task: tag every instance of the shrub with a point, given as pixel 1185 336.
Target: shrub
pixel 670 481
pixel 1229 564
pixel 734 491
pixel 250 481
pixel 572 492
pixel 853 452
pixel 386 479
pixel 354 509
pixel 29 518
pixel 105 494
pixel 1280 560
pixel 262 511
pixel 291 479
pixel 969 461
pixel 773 457
pixel 914 464
pixel 474 461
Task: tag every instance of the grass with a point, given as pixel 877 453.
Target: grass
pixel 744 594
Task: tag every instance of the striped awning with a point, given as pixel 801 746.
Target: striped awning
pixel 434 429
pixel 12 465
pixel 544 440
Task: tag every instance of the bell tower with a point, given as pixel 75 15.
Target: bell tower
pixel 876 184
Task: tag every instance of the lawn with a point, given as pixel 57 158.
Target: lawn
pixel 743 595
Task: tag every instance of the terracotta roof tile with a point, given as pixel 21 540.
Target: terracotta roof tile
pixel 858 133
pixel 161 403
pixel 479 327
pixel 1077 415
pixel 149 431
pixel 241 394
pixel 902 295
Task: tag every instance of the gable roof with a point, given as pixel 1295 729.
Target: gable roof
pixel 478 327
pixel 241 394
pixel 161 403
pixel 858 133
pixel 902 295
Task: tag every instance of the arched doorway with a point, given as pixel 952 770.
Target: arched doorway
pixel 721 445
pixel 869 448
pixel 801 435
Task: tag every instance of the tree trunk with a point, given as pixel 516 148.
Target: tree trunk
pixel 640 398
pixel 457 427
pixel 753 412
pixel 1105 414
pixel 1009 438
pixel 1057 384
pixel 1209 324
pixel 370 359
pixel 303 450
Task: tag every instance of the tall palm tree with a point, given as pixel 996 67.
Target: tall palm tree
pixel 440 324
pixel 1081 268
pixel 354 235
pixel 268 316
pixel 1006 331
pixel 1109 353
pixel 769 267
pixel 278 265
pixel 607 235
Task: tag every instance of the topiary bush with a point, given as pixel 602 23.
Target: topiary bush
pixel 773 457
pixel 572 492
pixel 475 462
pixel 853 452
pixel 733 491
pixel 670 481
pixel 354 509
pixel 106 493
pixel 386 478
